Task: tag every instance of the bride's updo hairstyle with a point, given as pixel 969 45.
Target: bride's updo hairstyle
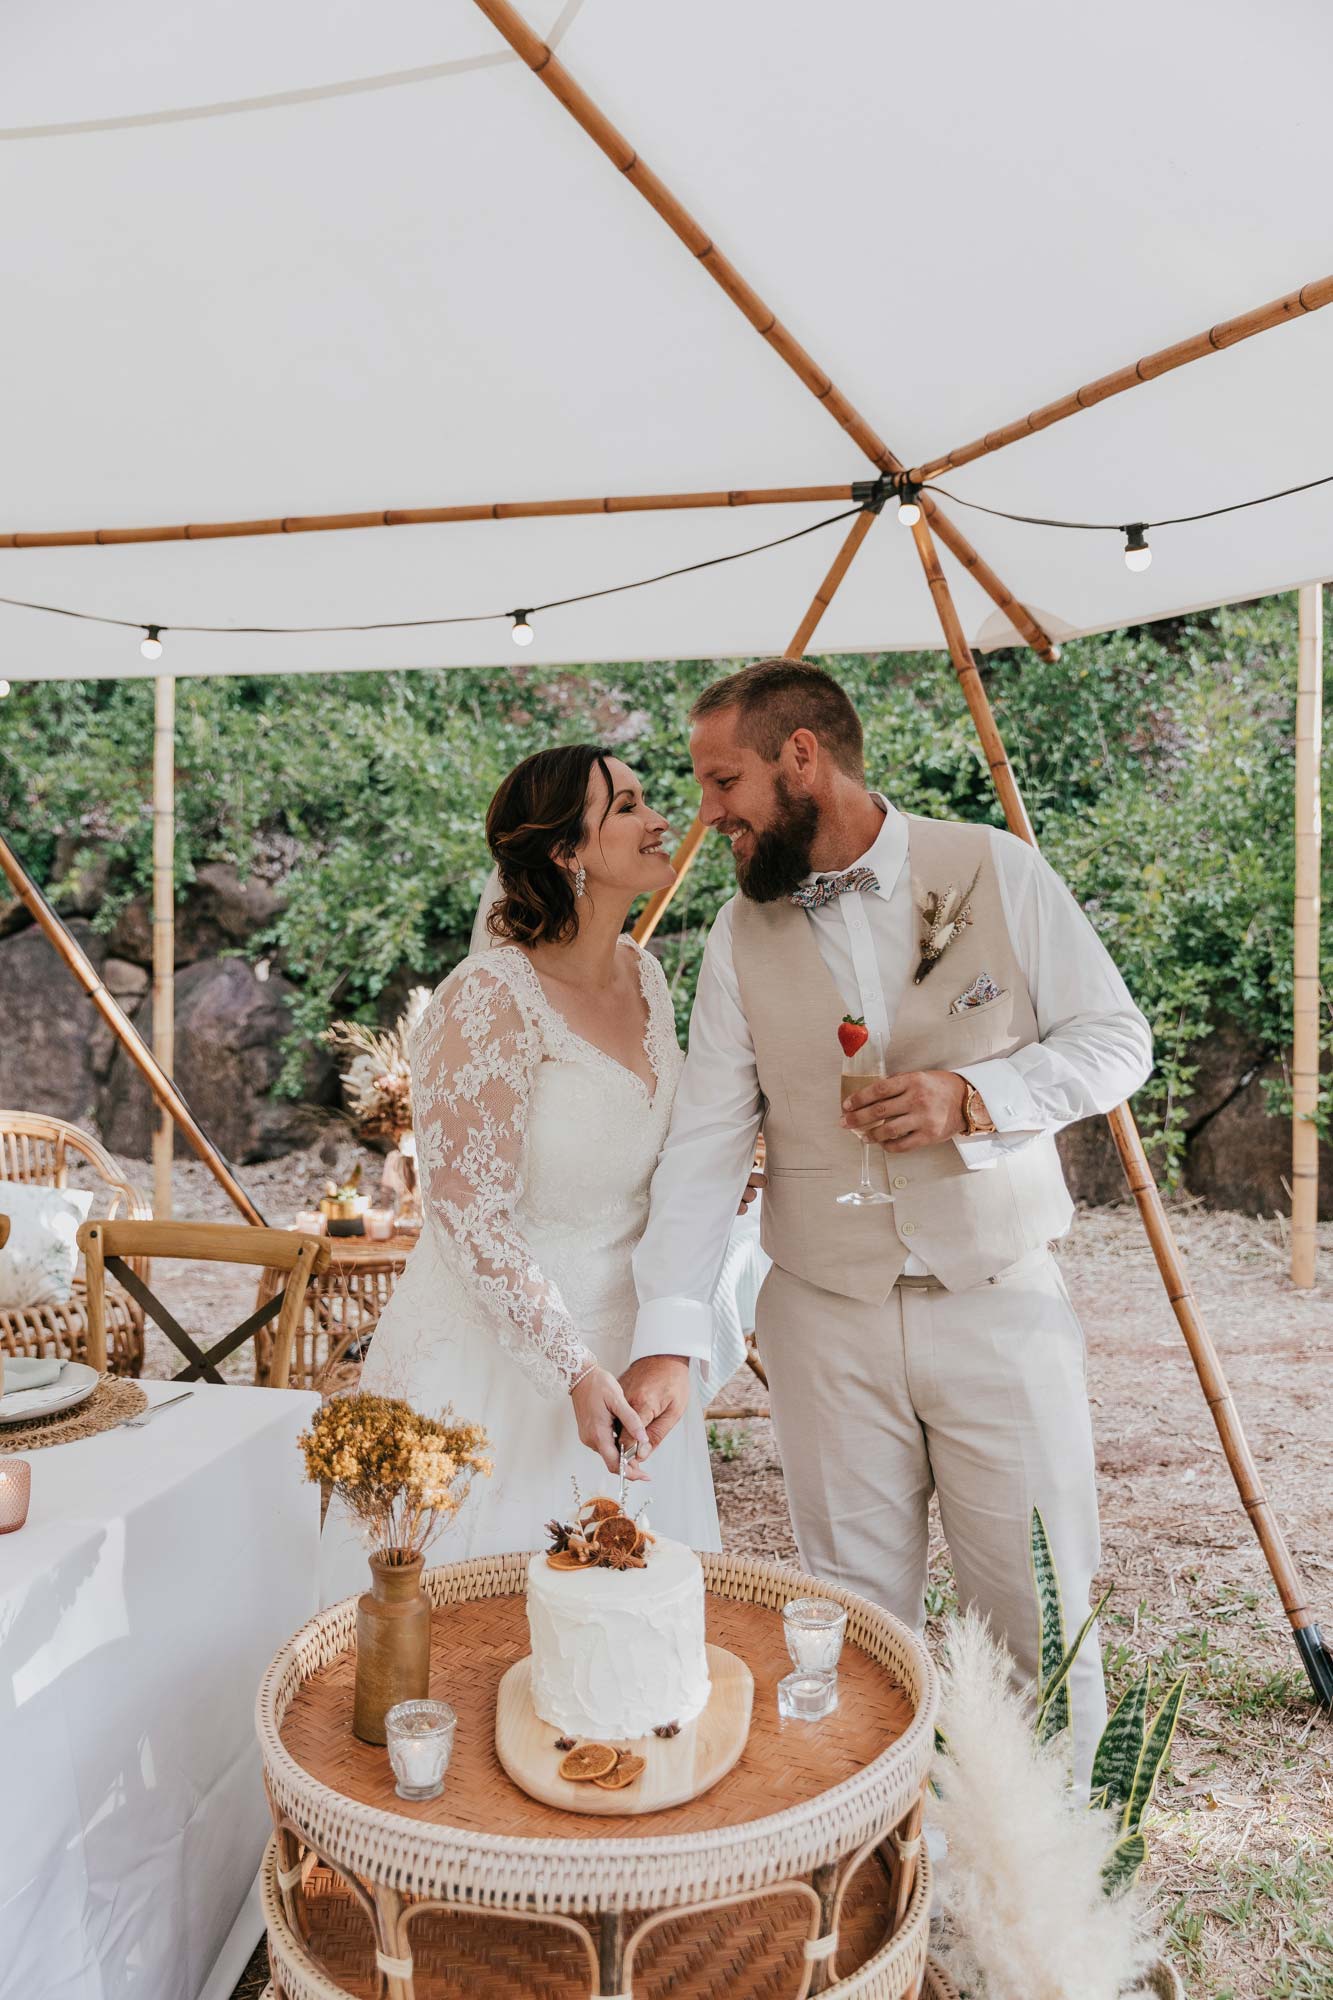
pixel 533 825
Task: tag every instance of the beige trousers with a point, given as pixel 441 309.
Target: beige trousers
pixel 979 1396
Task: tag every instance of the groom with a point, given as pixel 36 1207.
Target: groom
pixel 930 1345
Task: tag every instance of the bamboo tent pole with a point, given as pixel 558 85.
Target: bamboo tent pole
pixel 551 72
pixel 1279 312
pixel 1305 939
pixel 163 1089
pixel 415 517
pixel 1217 1394
pixel 164 930
pixel 683 858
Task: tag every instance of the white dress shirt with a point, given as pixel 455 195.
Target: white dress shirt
pixel 1095 1050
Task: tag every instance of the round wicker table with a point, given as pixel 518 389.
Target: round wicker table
pixel 342 1309
pixel 801 1871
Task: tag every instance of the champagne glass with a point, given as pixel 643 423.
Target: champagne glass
pixel 864 1065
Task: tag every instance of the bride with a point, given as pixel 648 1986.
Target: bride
pixel 543 1074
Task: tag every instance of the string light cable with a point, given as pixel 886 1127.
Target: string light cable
pixel 869 495
pixel 1137 553
pixel 521 620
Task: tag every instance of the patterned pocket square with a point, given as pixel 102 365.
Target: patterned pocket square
pixel 982 989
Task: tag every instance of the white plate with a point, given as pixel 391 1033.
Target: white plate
pixel 74 1385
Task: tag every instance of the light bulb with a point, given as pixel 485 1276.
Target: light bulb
pixel 151 647
pixel 1137 553
pixel 522 632
pixel 909 507
pixel 4 689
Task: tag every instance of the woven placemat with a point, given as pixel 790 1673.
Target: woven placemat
pixel 110 1403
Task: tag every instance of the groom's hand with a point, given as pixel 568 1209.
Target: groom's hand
pixel 657 1389
pixel 921 1107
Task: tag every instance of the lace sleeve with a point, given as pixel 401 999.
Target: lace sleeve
pixel 473 1059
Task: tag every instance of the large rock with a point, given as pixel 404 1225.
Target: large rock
pixel 1224 1064
pixel 53 1045
pixel 216 913
pixel 1241 1156
pixel 1093 1172
pixel 229 1029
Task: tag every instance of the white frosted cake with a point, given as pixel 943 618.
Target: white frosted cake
pixel 617 1653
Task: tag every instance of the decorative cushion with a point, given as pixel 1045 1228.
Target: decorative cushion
pixel 37 1264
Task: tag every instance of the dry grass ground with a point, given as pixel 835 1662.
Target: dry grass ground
pixel 1242 1832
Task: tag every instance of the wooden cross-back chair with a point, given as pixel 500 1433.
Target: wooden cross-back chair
pixel 40 1152
pixel 111 1248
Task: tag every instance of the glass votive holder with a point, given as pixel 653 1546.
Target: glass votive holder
pixel 806 1696
pixel 379 1224
pixel 814 1629
pixel 420 1737
pixel 15 1491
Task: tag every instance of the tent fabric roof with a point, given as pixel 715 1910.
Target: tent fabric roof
pixel 433 288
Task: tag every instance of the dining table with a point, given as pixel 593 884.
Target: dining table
pixel 160 1566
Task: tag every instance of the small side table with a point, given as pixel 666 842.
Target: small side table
pixel 802 1871
pixel 342 1310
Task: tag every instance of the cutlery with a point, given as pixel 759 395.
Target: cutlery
pixel 146 1416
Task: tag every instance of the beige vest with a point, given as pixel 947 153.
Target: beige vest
pixel 967 1224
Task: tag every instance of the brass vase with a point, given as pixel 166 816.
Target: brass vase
pixel 392 1645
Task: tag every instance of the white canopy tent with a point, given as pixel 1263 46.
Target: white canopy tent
pixel 419 293
pixel 285 264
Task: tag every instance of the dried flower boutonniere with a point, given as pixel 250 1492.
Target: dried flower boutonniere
pixel 946 917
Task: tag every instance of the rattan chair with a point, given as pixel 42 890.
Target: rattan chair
pixel 114 1248
pixel 40 1151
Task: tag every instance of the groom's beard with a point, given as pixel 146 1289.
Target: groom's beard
pixel 780 860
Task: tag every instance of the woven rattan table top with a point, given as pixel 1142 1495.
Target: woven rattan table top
pixel 801 1794
pixel 472 1645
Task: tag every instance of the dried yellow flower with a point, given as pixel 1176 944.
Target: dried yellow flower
pixel 402 1475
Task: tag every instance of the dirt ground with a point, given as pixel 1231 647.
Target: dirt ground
pixel 1242 1832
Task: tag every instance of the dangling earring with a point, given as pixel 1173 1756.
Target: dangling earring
pixel 580 882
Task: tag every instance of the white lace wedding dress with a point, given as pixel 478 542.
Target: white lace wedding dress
pixel 535 1150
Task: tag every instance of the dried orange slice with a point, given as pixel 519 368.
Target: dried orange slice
pixel 590 1760
pixel 616 1532
pixel 566 1559
pixel 600 1508
pixel 628 1768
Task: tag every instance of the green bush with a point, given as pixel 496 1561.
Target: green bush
pixel 1157 766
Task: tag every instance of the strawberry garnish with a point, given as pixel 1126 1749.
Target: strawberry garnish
pixel 852 1033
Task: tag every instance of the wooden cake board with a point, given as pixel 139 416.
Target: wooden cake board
pixel 677 1768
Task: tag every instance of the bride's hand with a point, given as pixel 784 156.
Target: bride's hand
pixel 598 1399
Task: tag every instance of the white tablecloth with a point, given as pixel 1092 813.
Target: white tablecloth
pixel 158 1573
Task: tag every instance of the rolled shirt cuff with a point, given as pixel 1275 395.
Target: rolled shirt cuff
pixel 1010 1103
pixel 674 1326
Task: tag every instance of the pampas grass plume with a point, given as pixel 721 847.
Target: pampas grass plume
pixel 1021 1888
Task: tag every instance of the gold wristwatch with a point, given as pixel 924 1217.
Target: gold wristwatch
pixel 976 1118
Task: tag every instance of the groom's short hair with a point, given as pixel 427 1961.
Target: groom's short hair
pixel 774 698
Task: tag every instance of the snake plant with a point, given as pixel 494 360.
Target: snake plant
pixel 1135 1744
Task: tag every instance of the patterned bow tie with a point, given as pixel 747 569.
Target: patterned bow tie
pixel 826 888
